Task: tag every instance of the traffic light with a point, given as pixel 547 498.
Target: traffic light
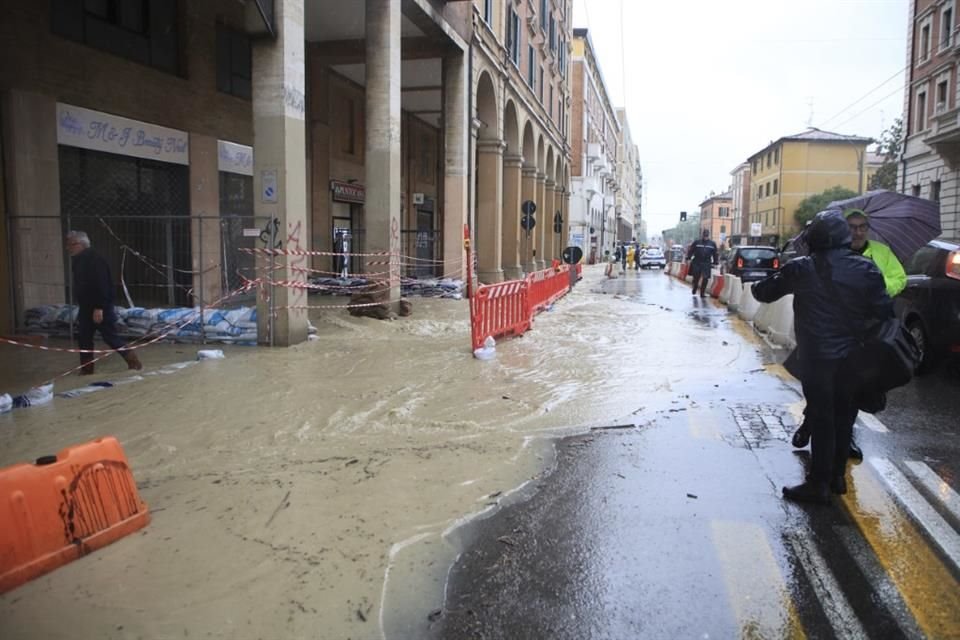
pixel 683 216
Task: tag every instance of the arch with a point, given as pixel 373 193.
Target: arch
pixel 487 112
pixel 529 146
pixel 511 129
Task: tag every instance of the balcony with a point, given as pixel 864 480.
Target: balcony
pixel 944 134
pixel 594 151
pixel 589 186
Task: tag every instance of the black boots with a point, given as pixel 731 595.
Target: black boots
pixel 810 491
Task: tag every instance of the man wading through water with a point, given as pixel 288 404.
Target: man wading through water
pixel 93 290
pixel 703 256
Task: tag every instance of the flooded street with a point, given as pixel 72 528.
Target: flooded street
pixel 297 487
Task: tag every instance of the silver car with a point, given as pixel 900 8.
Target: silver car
pixel 652 257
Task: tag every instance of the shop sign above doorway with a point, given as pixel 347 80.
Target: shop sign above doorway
pixel 348 192
pixel 98 131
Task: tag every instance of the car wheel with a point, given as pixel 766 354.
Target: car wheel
pixel 927 360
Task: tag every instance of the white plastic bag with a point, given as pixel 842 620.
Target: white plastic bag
pixel 488 351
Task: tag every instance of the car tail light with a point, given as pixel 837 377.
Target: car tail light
pixel 776 263
pixel 739 263
pixel 953 265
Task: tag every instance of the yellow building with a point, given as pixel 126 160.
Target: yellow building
pixel 796 167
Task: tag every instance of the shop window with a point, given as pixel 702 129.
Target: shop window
pixel 234 62
pixel 144 31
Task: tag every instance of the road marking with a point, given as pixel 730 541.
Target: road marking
pixel 871 421
pixel 842 618
pixel 755 585
pixel 936 486
pixel 932 522
pixel 880 583
pixel 926 585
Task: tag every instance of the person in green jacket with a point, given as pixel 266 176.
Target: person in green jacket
pixel 894 277
pixel 893 274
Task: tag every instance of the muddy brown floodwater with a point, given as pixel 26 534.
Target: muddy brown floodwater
pixel 316 491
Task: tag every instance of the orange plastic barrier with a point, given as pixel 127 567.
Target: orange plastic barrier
pixel 546 287
pixel 498 310
pixel 65 507
pixel 717 286
pixel 684 269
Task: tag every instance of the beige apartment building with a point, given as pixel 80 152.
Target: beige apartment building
pixel 629 197
pixel 930 161
pixel 594 140
pixel 740 193
pixel 520 71
pixel 716 216
pixel 795 167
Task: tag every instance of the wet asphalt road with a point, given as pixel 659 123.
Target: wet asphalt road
pixel 675 528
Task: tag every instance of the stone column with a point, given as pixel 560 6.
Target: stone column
pixel 539 231
pixel 382 147
pixel 550 239
pixel 512 166
pixel 489 202
pixel 280 176
pixel 565 212
pixel 205 209
pixel 528 191
pixel 32 184
pixel 456 188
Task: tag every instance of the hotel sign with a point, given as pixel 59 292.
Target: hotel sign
pixel 348 192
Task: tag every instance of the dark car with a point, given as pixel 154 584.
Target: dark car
pixel 752 263
pixel 930 305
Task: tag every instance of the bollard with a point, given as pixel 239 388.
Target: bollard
pixel 736 292
pixel 724 296
pixel 748 304
pixel 781 330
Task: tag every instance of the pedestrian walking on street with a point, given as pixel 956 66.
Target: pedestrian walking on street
pixel 703 257
pixel 93 291
pixel 894 278
pixel 636 257
pixel 838 296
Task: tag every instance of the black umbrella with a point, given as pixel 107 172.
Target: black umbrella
pixel 904 223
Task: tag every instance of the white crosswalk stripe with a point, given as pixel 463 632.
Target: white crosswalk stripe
pixel 842 618
pixel 936 486
pixel 926 516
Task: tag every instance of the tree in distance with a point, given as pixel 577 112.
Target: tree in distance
pixel 813 205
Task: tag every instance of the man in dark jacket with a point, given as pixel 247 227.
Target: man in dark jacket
pixel 838 296
pixel 703 257
pixel 93 291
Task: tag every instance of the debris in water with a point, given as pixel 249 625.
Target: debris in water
pixel 495 494
pixel 690 495
pixel 507 541
pixel 360 615
pixel 435 615
pixel 613 426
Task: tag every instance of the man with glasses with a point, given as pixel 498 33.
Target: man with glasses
pixel 894 278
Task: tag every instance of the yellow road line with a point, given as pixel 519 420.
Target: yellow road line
pixel 756 587
pixel 927 586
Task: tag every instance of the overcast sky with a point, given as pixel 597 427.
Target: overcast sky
pixel 709 82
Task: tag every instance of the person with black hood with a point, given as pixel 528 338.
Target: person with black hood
pixel 93 290
pixel 838 297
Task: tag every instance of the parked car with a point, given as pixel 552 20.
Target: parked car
pixel 930 304
pixel 677 253
pixel 752 263
pixel 652 257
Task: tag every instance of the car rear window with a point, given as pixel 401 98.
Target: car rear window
pixel 922 261
pixel 758 254
pixel 653 253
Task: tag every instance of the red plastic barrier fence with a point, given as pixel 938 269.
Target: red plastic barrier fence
pixel 65 507
pixel 684 269
pixel 717 287
pixel 546 287
pixel 498 310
